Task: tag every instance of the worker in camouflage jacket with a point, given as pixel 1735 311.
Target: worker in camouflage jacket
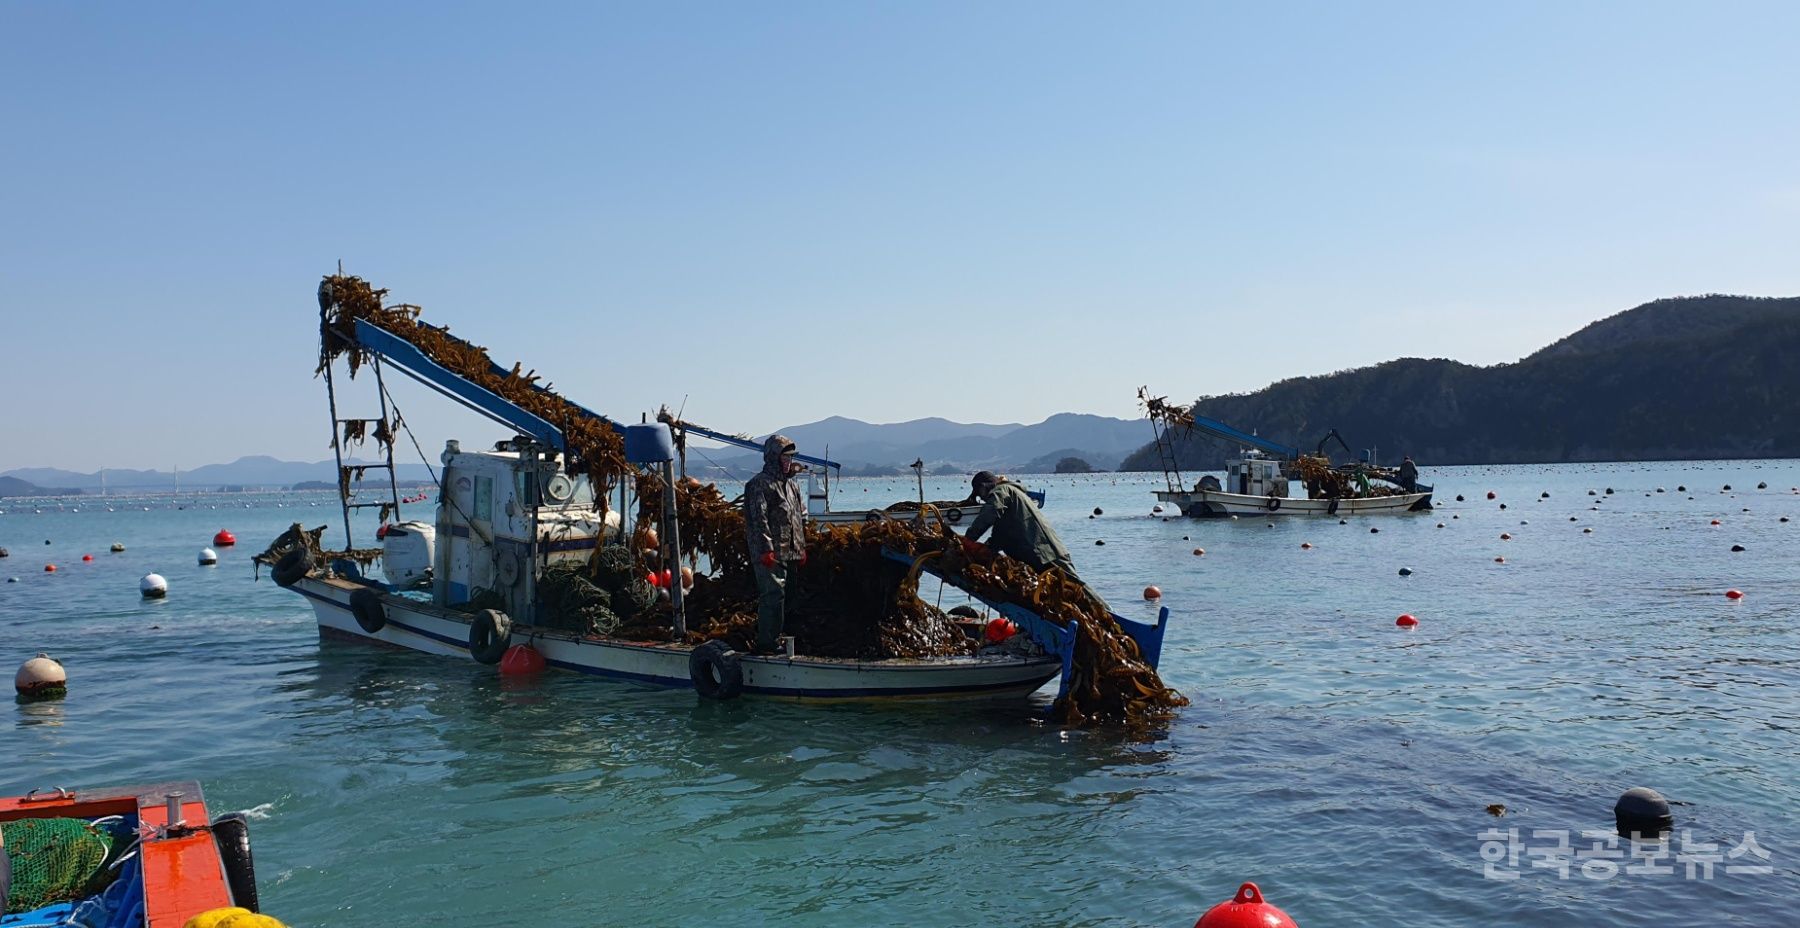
pixel 1020 531
pixel 775 531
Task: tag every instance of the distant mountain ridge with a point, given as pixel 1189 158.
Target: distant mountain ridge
pixel 952 446
pixel 1690 377
pixel 251 471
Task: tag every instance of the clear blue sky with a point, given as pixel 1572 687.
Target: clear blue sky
pixel 783 211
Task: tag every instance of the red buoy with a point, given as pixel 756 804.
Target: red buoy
pixel 224 539
pixel 382 531
pixel 1490 494
pixel 49 568
pixel 87 557
pixel 1306 546
pixel 521 659
pixel 654 579
pixel 1499 560
pixel 668 577
pixel 1199 552
pixel 1151 592
pixel 1729 594
pixel 999 630
pixel 1247 909
pixel 1715 521
pixel 1406 620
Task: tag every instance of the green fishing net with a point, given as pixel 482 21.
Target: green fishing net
pixel 53 860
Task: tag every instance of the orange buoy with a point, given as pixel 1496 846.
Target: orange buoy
pixel 1499 560
pixel 1734 594
pixel 1199 552
pixel 999 630
pixel 1151 592
pixel 1306 546
pixel 687 577
pixel 521 659
pixel 49 568
pixel 650 539
pixel 1505 536
pixel 1247 909
pixel 1406 620
pixel 224 539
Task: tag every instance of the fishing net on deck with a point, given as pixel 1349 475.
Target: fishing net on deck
pixel 54 860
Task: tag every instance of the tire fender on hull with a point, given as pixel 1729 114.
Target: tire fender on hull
pixel 292 566
pixel 715 670
pixel 490 634
pixel 366 606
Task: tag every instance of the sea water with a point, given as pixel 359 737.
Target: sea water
pixel 1342 763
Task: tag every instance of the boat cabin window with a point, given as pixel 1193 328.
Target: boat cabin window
pixel 484 499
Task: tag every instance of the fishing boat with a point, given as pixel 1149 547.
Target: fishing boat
pixel 508 516
pixel 140 856
pixel 1261 480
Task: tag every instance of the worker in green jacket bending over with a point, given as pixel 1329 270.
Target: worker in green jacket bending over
pixel 1020 532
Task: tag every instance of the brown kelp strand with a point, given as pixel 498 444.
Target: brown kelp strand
pixel 594 447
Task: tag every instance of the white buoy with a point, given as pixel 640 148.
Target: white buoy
pixel 116 547
pixel 41 678
pixel 208 557
pixel 153 586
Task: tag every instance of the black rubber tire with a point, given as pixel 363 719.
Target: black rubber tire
pixel 872 516
pixel 953 515
pixel 231 832
pixel 1274 503
pixel 292 566
pixel 490 634
pixel 715 670
pixel 965 612
pixel 371 615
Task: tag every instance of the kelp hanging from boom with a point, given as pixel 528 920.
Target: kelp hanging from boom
pixel 594 447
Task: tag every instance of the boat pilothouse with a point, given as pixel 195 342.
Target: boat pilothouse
pixel 507 515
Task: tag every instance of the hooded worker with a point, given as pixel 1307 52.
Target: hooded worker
pixel 1020 531
pixel 775 533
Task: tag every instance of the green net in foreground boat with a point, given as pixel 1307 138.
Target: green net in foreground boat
pixel 53 860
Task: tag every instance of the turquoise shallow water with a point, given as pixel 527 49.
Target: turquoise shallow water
pixel 1340 762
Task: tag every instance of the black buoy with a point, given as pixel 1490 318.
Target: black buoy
pixel 1727 489
pixel 1609 491
pixel 1459 497
pixel 1590 492
pixel 1762 486
pixel 1374 531
pixel 1406 571
pixel 1099 541
pixel 1642 813
pixel 1737 548
pixel 1502 505
pixel 1098 512
pixel 1544 495
pixel 5 553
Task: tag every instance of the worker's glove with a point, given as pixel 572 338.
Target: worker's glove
pixel 802 557
pixel 767 559
pixel 973 548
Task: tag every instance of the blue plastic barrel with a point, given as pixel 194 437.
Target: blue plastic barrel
pixel 649 443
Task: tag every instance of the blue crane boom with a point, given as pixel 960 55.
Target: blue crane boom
pixel 1231 433
pixel 414 363
pixel 737 440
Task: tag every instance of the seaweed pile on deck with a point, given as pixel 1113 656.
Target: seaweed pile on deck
pixel 849 599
